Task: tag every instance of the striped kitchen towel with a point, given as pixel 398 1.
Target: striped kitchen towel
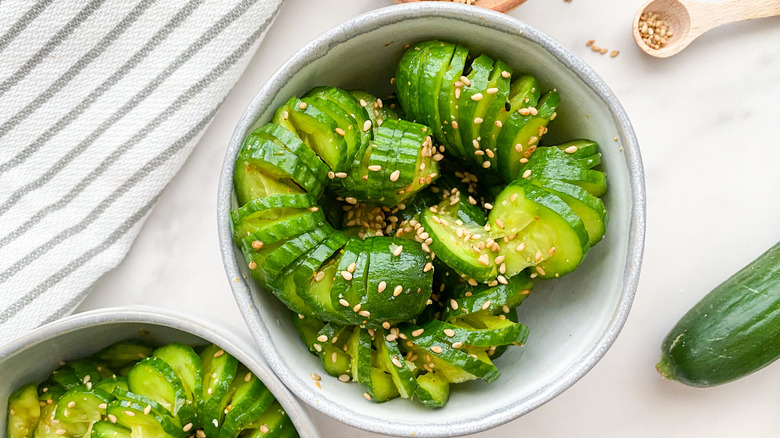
pixel 101 102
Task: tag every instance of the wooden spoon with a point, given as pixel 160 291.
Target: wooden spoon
pixel 496 5
pixel 688 19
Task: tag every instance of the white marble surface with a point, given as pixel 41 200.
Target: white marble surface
pixel 708 122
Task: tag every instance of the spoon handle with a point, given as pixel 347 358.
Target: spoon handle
pixel 705 16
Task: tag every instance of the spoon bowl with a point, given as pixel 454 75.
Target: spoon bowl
pixel 688 19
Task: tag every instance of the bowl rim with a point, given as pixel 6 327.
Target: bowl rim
pixel 177 321
pixel 480 17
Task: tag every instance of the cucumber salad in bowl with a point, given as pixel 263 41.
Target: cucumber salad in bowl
pixel 403 233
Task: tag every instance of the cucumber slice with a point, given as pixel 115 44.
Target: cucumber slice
pixel 550 156
pixel 250 183
pixel 341 292
pixel 398 287
pixel 219 370
pixel 47 426
pixel 249 398
pixel 346 123
pixel 458 246
pixel 589 208
pixel 392 361
pixel 271 158
pixel 382 386
pixel 437 58
pixel 448 104
pixel 266 207
pixel 503 332
pixel 433 390
pixel 523 93
pixel 107 429
pixel 307 328
pixel 281 257
pixel 132 416
pixel 187 366
pixel 79 408
pixel 23 412
pixel 579 148
pixel 377 111
pixel 156 380
pixel 496 300
pixel 274 422
pixel 594 181
pixel 406 80
pixel 520 135
pixel 318 130
pixel 351 105
pixel 335 361
pixel 124 352
pixel 541 231
pixel 290 141
pixel 359 350
pixel 66 377
pixel 170 424
pixel 108 385
pixel 52 391
pixel 474 101
pixel 494 102
pixel 274 230
pixel 455 365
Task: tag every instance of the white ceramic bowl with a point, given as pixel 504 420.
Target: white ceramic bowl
pixel 35 356
pixel 573 320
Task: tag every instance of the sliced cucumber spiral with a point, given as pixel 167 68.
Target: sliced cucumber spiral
pixel 404 244
pixel 132 390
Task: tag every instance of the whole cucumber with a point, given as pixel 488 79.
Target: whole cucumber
pixel 732 332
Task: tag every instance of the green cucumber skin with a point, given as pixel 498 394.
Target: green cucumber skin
pixel 732 332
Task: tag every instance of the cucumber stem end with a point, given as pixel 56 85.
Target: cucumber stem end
pixel 665 367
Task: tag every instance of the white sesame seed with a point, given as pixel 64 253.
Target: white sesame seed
pixel 341 174
pixel 505 74
pixel 60 431
pixel 318 347
pixel 263 429
pixel 364 313
pixel 501 279
pixel 397 251
pixel 454 124
pixel 465 80
pixel 382 286
pixel 527 173
pixel 397 290
pixel 457 95
pixel 344 302
pixel 484 259
pixel 130 413
pixel 540 270
pixel 72 404
pixel 395 175
pixel 492 90
pixel 476 97
pixel 322 338
pixel 219 353
pixel 375 168
pixel 344 378
pixel 428 267
pixel 486 164
pixel 417 332
pixel 187 427
pixel 367 396
pixel 340 132
pixel 478 120
pixel 351 268
pixel 449 332
pixel 520 247
pixel 316 377
pixel 436 349
pixel 366 125
pixel 302 105
pixel 570 149
pixel 331 175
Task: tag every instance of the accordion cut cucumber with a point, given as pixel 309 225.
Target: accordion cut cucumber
pixel 418 226
pixel 732 332
pixel 157 403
